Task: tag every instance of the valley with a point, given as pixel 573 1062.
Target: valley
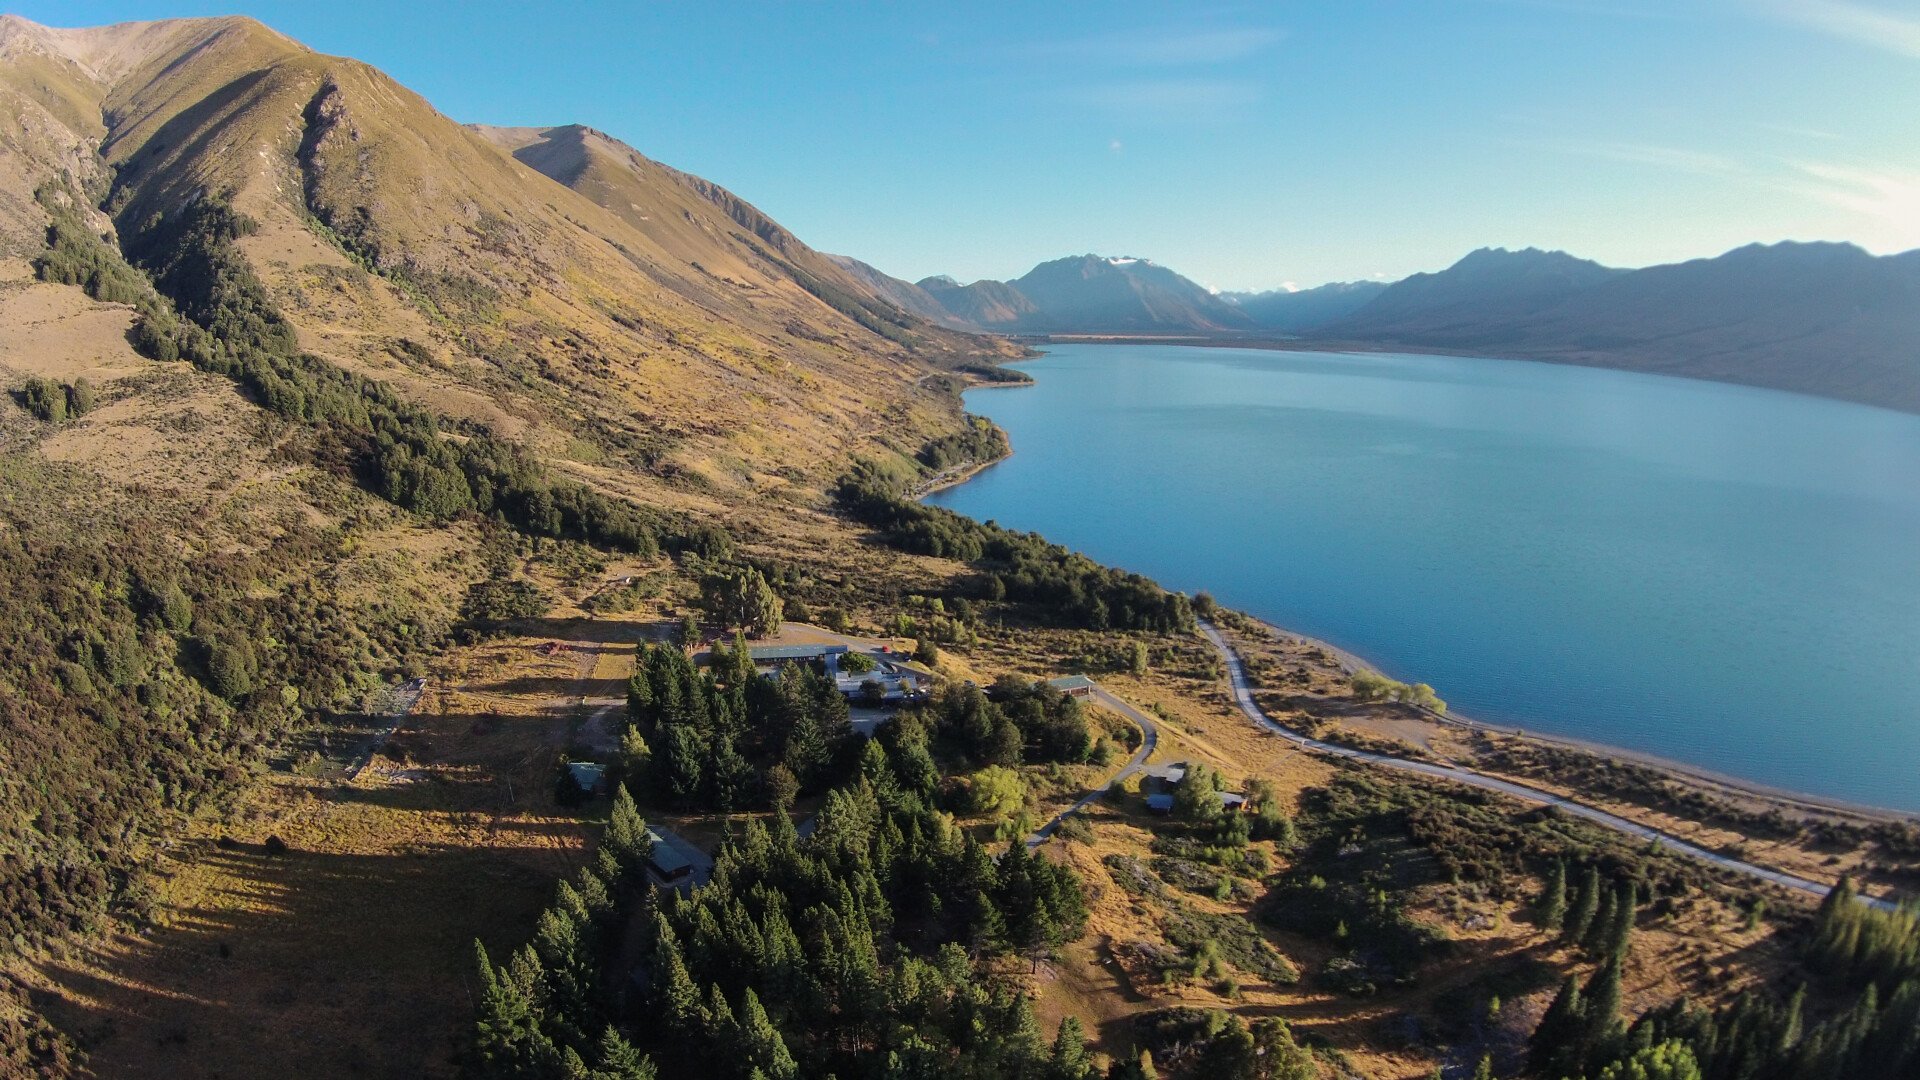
pixel 389 510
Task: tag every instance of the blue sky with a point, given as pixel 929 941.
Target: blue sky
pixel 1248 145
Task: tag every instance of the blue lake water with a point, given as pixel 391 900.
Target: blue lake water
pixel 1725 576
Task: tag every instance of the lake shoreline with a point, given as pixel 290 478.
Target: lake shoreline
pixel 1680 771
pixel 1727 785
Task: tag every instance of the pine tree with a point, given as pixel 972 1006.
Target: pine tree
pixel 1559 1030
pixel 676 999
pixel 640 695
pixel 1004 747
pixel 595 900
pixel 627 836
pixel 807 753
pixel 508 1042
pixel 1553 902
pixel 739 671
pixel 762 1043
pixel 569 968
pixel 1586 903
pixel 635 758
pixel 1136 1068
pixel 1594 941
pixel 1279 1056
pixel 1484 1071
pixel 1602 995
pixel 729 776
pixel 616 1059
pixel 679 772
pixel 1070 1059
pixel 1793 1029
pixel 526 973
pixel 988 929
pixel 1620 929
pixel 744 599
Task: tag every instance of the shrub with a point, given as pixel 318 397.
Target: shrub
pixel 996 791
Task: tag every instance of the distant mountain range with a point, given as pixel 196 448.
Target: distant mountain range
pixel 1819 318
pixel 1080 294
pixel 1815 318
pixel 1300 311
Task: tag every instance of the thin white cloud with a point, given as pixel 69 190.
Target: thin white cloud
pixel 1888 197
pixel 1159 47
pixel 1860 23
pixel 1799 132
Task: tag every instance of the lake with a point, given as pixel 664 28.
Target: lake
pixel 1720 575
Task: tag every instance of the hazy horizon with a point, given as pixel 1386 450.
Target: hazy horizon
pixel 1249 147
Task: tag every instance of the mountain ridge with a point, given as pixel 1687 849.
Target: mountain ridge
pixel 538 307
pixel 1814 317
pixel 1076 294
pixel 1297 311
pixel 1819 318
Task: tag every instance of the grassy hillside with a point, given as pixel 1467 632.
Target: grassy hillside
pixel 292 361
pixel 682 335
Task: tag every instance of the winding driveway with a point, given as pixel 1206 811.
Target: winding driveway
pixel 1149 738
pixel 1243 696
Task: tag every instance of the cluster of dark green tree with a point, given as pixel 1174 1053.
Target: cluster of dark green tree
pixel 545 1013
pixel 57 402
pixel 982 441
pixel 857 951
pixel 76 255
pixel 1856 943
pixel 725 738
pixel 742 598
pixel 1365 842
pixel 992 373
pixel 135 685
pixel 1215 1045
pixel 398 450
pixel 1018 722
pixel 502 599
pixel 1598 918
pixel 1019 566
pixel 1856 1018
pixel 1205 832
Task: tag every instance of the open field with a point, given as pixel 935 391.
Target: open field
pixel 349 953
